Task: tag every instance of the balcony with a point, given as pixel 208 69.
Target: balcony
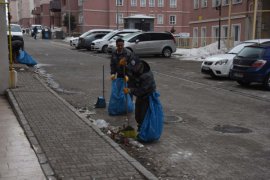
pixel 36 11
pixel 55 6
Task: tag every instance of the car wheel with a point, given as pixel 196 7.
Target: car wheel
pixel 167 52
pixel 267 82
pixel 243 83
pixel 104 49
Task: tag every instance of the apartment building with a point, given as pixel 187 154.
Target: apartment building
pixel 24 12
pixel 204 23
pixel 41 12
pixel 13 7
pixel 104 13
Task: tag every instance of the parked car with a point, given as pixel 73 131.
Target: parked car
pixel 220 65
pixel 252 64
pixel 74 41
pixel 101 45
pixel 92 31
pixel 87 41
pixel 112 42
pixel 149 43
pixel 16 33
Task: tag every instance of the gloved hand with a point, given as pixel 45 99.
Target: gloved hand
pixel 113 77
pixel 126 79
pixel 126 90
pixel 123 62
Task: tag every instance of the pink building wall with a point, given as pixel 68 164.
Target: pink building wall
pixel 45 15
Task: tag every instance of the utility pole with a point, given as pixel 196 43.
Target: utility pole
pixel 254 19
pixel 229 25
pixel 219 23
pixel 117 15
pixel 69 27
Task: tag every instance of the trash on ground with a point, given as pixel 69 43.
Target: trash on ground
pixel 100 123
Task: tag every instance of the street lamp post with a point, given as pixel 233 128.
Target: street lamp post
pixel 117 15
pixel 69 27
pixel 219 24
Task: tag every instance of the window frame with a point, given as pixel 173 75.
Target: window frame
pixel 160 3
pixel 160 19
pixel 152 3
pixel 133 3
pixel 120 18
pixel 204 3
pixel 142 4
pixel 174 19
pixel 121 3
pixel 196 4
pixel 174 4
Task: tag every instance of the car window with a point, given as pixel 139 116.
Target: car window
pixel 98 36
pixel 252 52
pixel 239 47
pixel 141 37
pixel 267 53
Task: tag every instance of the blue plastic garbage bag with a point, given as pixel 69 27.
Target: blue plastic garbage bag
pixel 117 104
pixel 152 126
pixel 25 58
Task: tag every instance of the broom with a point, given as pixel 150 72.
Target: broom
pixel 128 131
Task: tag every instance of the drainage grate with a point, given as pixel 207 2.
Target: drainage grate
pixel 172 119
pixel 231 129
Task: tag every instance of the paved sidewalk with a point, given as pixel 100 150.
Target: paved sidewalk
pixel 68 146
pixel 17 159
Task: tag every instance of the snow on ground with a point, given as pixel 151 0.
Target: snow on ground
pixel 199 54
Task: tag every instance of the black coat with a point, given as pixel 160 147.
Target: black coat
pixel 115 67
pixel 142 85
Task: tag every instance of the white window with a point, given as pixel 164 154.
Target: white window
pixel 204 3
pixel 203 35
pixel 160 3
pixel 215 33
pixel 225 2
pixel 216 3
pixel 133 3
pixel 224 32
pixel 80 18
pixel 173 4
pixel 195 37
pixel 151 3
pixel 172 20
pixel 120 18
pixel 236 32
pixel 237 1
pixel 143 3
pixel 160 19
pixel 119 2
pixel 196 4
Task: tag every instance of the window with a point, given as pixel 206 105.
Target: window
pixel 215 32
pixel 237 1
pixel 173 4
pixel 203 35
pixel 160 19
pixel 236 32
pixel 204 3
pixel 172 20
pixel 143 3
pixel 225 2
pixel 196 4
pixel 133 3
pixel 195 37
pixel 80 2
pixel 80 18
pixel 224 33
pixel 151 3
pixel 216 3
pixel 120 18
pixel 160 3
pixel 119 2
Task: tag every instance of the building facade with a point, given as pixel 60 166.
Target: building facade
pixel 205 28
pixel 24 12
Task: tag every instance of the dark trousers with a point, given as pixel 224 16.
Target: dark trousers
pixel 141 107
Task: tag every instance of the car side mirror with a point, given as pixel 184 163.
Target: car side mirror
pixel 137 41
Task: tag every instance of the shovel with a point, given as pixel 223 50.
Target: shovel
pixel 101 103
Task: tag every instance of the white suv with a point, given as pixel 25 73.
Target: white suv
pixel 220 65
pixel 101 45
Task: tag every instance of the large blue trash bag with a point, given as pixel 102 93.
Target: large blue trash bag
pixel 152 126
pixel 117 104
pixel 25 58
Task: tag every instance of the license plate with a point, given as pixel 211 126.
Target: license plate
pixel 240 75
pixel 205 68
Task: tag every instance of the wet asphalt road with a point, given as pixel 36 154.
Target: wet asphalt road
pixel 191 148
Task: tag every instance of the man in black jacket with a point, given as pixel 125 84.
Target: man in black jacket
pixel 141 84
pixel 120 57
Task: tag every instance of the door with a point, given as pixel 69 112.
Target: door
pixel 141 44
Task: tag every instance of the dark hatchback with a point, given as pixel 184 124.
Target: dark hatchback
pixel 252 64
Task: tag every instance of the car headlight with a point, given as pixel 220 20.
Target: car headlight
pixel 221 62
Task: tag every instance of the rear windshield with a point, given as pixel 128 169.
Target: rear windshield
pixel 15 28
pixel 252 52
